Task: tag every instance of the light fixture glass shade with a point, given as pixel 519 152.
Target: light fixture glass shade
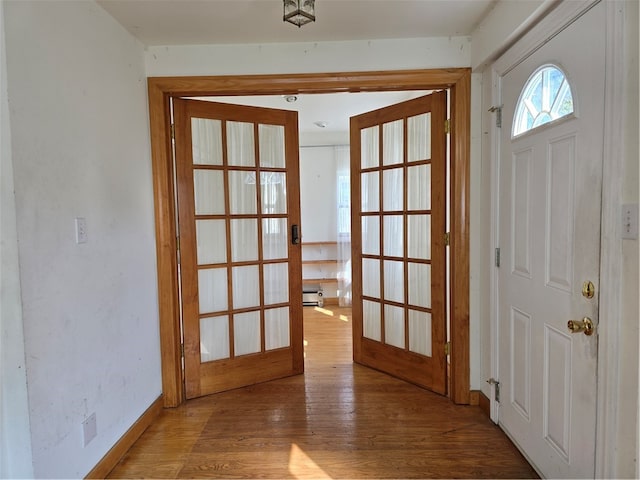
pixel 299 12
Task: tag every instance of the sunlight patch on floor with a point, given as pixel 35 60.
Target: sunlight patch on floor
pixel 324 311
pixel 301 466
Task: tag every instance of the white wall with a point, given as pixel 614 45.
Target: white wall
pixel 80 148
pixel 502 26
pixel 318 196
pixel 626 452
pixel 308 57
pixel 15 441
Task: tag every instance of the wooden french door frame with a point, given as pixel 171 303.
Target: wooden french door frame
pixel 162 89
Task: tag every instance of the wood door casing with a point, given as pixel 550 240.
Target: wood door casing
pixel 204 377
pixel 426 370
pixel 162 89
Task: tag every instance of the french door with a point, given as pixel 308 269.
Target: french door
pixel 238 218
pixel 398 175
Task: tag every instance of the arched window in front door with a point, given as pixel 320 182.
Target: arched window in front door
pixel 545 97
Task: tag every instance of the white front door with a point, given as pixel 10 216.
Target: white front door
pixel 549 236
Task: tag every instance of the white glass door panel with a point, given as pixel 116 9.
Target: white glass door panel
pixel 246 329
pixel 208 188
pixel 244 240
pixel 238 198
pixel 371 235
pixel 276 283
pixel 240 144
pixel 276 326
pixel 370 147
pixel 274 238
pixel 212 287
pixel 393 142
pixel 211 238
pixel 214 338
pixel 372 320
pixel 242 192
pixel 393 188
pixel 271 146
pixel 206 138
pixel 419 144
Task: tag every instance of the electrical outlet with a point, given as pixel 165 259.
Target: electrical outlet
pixel 81 230
pixel 630 221
pixel 89 428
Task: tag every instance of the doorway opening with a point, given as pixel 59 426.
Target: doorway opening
pixel 162 89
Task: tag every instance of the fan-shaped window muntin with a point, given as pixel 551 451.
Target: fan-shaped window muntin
pixel 545 97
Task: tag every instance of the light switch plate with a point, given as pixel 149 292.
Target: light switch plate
pixel 89 429
pixel 81 230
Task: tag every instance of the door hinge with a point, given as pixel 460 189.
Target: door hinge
pixel 182 350
pixel 447 348
pixel 447 239
pixel 498 257
pixel 447 126
pixel 498 112
pixel 173 132
pixel 496 388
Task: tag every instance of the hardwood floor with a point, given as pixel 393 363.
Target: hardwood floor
pixel 338 420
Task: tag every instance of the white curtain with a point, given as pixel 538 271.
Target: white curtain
pixel 343 182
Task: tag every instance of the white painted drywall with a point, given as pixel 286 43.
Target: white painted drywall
pixel 318 196
pixel 628 396
pixel 80 148
pixel 15 436
pixel 350 56
pixel 502 26
pixel 476 221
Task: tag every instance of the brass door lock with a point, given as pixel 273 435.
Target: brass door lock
pixel 581 326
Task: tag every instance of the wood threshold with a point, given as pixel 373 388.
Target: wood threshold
pixel 162 89
pixel 115 454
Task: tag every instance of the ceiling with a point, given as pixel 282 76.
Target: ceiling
pixel 324 119
pixel 201 22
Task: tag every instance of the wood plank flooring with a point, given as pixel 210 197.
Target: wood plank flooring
pixel 338 420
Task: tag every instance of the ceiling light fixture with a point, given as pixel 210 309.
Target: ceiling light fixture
pixel 299 12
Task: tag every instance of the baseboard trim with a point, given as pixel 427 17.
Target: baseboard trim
pixel 113 456
pixel 474 397
pixel 485 404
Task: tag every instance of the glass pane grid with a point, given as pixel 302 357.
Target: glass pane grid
pixel 241 238
pixel 394 315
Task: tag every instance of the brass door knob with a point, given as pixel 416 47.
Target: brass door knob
pixel 581 326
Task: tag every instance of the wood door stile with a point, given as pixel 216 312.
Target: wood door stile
pixel 162 90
